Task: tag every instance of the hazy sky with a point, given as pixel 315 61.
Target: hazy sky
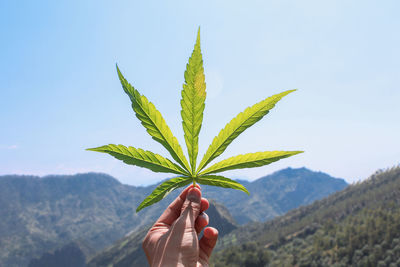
pixel 60 94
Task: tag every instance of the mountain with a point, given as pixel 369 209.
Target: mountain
pixel 73 254
pixel 128 251
pixel 41 215
pixel 276 194
pixel 359 226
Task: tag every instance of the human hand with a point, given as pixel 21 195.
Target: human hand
pixel 173 239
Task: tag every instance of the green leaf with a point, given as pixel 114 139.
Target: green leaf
pixel 141 158
pixel 192 102
pixel 249 160
pixel 192 108
pixel 237 125
pixel 163 190
pixel 217 180
pixel 154 123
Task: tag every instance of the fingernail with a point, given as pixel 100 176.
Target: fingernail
pixel 197 185
pixel 194 195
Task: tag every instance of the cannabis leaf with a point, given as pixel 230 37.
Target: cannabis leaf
pixel 192 104
pixel 139 157
pixel 237 125
pixel 153 121
pixel 193 98
pixel 249 160
pixel 163 189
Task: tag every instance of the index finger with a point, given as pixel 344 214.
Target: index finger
pixel 174 209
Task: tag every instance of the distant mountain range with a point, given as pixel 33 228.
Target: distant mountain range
pixel 40 215
pixel 275 194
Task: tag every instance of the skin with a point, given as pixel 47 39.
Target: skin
pixel 173 239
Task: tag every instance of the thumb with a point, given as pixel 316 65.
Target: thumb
pixel 191 206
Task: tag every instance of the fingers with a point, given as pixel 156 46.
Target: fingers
pixel 204 204
pixel 192 206
pixel 207 242
pixel 174 209
pixel 184 225
pixel 201 222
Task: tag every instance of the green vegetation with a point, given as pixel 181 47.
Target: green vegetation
pixel 359 226
pixel 193 104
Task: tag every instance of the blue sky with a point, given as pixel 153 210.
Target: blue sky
pixel 59 91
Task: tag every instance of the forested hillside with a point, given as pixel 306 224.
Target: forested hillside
pixel 359 226
pixel 44 214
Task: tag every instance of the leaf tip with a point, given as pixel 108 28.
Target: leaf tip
pixel 118 71
pixel 246 191
pixel 96 149
pixel 198 36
